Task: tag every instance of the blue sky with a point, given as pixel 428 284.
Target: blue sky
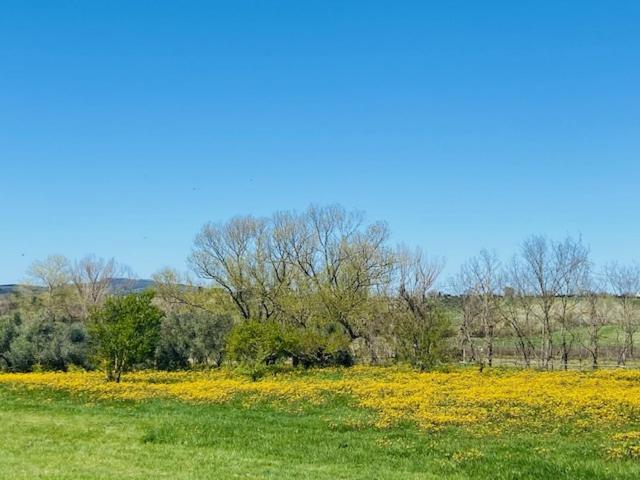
pixel 124 126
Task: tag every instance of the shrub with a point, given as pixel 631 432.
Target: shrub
pixel 9 326
pixel 310 347
pixel 424 341
pixel 42 341
pixel 253 343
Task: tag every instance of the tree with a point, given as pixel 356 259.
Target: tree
pixel 91 277
pixel 593 319
pixel 53 274
pixel 177 293
pixel 277 268
pixel 422 327
pixel 517 307
pixel 126 331
pixel 546 267
pixel 230 254
pixel 192 338
pixel 9 331
pixel 480 284
pixel 345 260
pixel 624 282
pixel 38 339
pixel 575 281
pixel 468 318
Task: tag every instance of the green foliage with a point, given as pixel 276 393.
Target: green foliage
pixel 423 339
pixel 255 344
pixel 126 331
pixel 9 327
pixel 40 341
pixel 313 347
pixel 192 338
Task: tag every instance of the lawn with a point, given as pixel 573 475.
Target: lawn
pixel 73 426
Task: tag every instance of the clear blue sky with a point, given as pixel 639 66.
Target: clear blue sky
pixel 124 126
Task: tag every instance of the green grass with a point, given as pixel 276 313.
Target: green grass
pixel 52 435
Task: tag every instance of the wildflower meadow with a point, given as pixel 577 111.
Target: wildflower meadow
pixel 461 423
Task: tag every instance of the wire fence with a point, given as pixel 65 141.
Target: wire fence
pixel 580 358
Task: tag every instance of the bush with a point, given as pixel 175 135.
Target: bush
pixel 192 338
pixel 9 326
pixel 44 342
pixel 257 344
pixel 312 348
pixel 62 344
pixel 424 341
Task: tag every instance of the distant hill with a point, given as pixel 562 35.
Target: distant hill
pixel 14 287
pixel 126 285
pixel 117 285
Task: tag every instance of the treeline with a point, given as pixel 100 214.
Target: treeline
pixel 318 288
pixel 547 306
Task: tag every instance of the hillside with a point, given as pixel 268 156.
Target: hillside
pixel 117 285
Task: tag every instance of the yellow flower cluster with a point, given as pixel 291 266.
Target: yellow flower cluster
pixel 494 400
pixel 627 445
pixel 467 455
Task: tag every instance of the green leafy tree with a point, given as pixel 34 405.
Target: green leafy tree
pixel 9 330
pixel 38 340
pixel 126 331
pixel 192 338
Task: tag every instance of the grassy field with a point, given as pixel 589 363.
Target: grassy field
pixel 364 423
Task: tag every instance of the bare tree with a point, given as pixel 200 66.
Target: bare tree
pixel 480 282
pixel 417 275
pixel 624 282
pixel 92 278
pixel 517 308
pixel 226 253
pixel 52 273
pixel 177 292
pixel 547 265
pixel 573 283
pixel 593 319
pixel 466 329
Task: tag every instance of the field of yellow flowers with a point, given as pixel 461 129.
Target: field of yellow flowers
pixel 491 401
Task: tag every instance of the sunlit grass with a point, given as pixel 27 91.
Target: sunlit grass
pixel 356 423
